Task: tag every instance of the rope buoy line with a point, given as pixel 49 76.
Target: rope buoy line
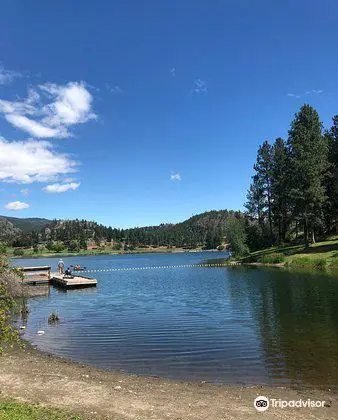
pixel 158 267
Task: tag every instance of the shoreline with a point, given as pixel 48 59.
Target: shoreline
pixel 34 376
pixel 90 253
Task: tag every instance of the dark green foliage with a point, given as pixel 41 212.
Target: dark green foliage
pixel 294 189
pixel 18 252
pixel 308 153
pixel 74 245
pixel 206 230
pixel 331 205
pixel 237 237
pixel 3 248
pixel 280 189
pixel 9 288
pixel 263 178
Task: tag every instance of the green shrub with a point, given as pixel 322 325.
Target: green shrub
pixel 3 248
pixel 273 258
pixel 58 246
pixel 18 252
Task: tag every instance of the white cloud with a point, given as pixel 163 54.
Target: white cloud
pixel 16 205
pixel 175 177
pixel 60 188
pixel 72 104
pixel 35 128
pixel 52 109
pixel 32 161
pixel 7 76
pixel 173 72
pixel 24 191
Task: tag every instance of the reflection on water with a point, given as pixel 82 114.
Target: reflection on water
pixel 230 325
pixel 297 319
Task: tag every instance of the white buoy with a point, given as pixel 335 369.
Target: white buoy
pixel 41 332
pixel 22 327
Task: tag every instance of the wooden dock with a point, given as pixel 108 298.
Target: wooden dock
pixel 71 282
pixel 36 275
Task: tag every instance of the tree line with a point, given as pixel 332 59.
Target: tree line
pixel 294 189
pixel 206 230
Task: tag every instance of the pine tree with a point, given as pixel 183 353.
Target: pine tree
pixel 263 168
pixel 331 208
pixel 308 164
pixel 280 188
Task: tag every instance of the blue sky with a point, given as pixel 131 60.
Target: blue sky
pixel 136 113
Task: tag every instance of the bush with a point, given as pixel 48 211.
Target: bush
pixel 10 287
pixel 18 252
pixel 273 258
pixel 74 245
pixel 3 248
pixel 58 246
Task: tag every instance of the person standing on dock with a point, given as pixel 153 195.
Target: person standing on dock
pixel 61 266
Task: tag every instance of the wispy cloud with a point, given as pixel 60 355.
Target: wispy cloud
pixel 16 205
pixel 60 188
pixel 173 71
pixel 314 91
pixel 114 89
pixel 35 128
pixel 199 86
pixel 32 161
pixel 24 191
pixel 49 110
pixel 293 95
pixel 176 177
pixel 7 76
pixel 307 92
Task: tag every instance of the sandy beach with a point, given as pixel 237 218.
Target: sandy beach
pixel 32 376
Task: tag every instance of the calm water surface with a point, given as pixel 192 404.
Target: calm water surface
pixel 228 325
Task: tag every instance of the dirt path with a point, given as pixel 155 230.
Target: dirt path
pixel 97 394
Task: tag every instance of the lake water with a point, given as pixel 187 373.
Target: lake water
pixel 228 325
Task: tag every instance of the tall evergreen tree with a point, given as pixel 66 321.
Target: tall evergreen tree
pixel 308 164
pixel 280 188
pixel 331 207
pixel 264 168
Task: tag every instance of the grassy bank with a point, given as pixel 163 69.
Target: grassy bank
pixel 322 255
pixel 11 410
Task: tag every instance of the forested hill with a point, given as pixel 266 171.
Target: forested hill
pixel 25 224
pixel 204 230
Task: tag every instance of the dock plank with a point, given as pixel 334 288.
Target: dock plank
pixel 75 281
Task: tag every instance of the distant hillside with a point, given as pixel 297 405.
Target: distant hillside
pixel 206 230
pixel 30 224
pixel 7 230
